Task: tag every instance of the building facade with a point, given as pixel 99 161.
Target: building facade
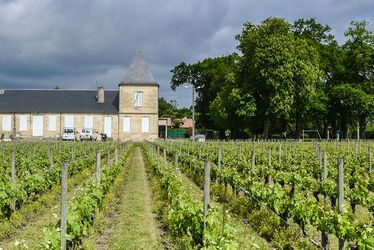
pixel 131 112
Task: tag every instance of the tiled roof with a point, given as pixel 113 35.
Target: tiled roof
pixel 138 73
pixel 57 101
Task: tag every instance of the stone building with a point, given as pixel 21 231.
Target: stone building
pixel 131 112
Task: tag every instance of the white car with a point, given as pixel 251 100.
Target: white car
pixel 69 134
pixel 198 138
pixel 88 134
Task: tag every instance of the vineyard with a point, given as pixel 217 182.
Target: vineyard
pixel 299 183
pixel 212 195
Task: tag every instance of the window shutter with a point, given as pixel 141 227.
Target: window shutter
pixel 7 123
pixel 127 124
pixel 23 123
pixel 145 124
pixel 52 123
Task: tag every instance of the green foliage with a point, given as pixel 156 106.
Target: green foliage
pixel 285 80
pixel 82 210
pixel 186 216
pixel 170 110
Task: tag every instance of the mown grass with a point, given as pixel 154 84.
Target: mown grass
pixel 136 226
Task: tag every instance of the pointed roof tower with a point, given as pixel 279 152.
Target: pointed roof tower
pixel 138 73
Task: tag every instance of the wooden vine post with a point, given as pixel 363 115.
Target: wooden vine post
pixel 165 162
pixel 50 157
pixel 340 193
pixel 253 159
pixel 64 203
pixel 370 161
pixel 206 190
pixel 175 161
pixel 116 156
pixel 13 175
pixel 108 160
pixel 325 236
pixel 219 158
pixel 98 159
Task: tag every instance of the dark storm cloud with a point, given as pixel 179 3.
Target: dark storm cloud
pixel 85 43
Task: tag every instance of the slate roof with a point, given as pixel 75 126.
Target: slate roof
pixel 138 73
pixel 57 101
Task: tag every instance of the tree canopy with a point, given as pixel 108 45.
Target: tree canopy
pixel 286 78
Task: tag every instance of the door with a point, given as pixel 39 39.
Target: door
pixel 108 126
pixel 37 125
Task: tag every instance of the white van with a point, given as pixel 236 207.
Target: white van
pixel 88 134
pixel 69 134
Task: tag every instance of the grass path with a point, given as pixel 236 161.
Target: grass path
pixel 28 223
pixel 136 226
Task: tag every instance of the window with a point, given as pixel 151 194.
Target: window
pixel 88 121
pixel 7 123
pixel 127 124
pixel 69 121
pixel 23 123
pixel 52 123
pixel 145 124
pixel 138 99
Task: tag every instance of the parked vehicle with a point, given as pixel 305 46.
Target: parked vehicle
pixel 69 134
pixel 88 134
pixel 198 138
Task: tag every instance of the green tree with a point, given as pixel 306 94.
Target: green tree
pixel 170 109
pixel 208 78
pixel 359 67
pixel 280 70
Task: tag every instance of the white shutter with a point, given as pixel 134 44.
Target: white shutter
pixel 23 123
pixel 7 123
pixel 52 123
pixel 126 124
pixel 108 126
pixel 37 125
pixel 145 124
pixel 69 121
pixel 138 98
pixel 88 121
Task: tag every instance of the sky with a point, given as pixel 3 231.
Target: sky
pixel 82 44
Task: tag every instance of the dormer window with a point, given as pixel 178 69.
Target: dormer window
pixel 138 99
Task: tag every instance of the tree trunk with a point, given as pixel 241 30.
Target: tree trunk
pixel 362 125
pixel 266 128
pixel 344 129
pixel 222 134
pixel 299 126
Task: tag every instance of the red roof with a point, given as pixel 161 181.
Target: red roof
pixel 186 123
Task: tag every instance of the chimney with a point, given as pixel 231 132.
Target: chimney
pixel 100 94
